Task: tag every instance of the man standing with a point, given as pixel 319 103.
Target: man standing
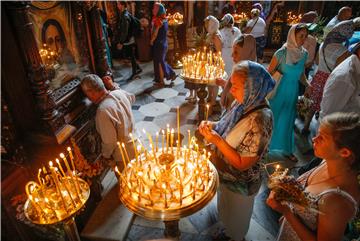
pixel 114 119
pixel 124 38
pixel 342 89
pixel 343 14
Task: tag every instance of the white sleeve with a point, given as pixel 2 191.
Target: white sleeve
pixel 107 133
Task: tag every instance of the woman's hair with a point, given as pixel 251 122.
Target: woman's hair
pixel 57 25
pixel 345 129
pixel 300 27
pixel 255 12
pixel 239 41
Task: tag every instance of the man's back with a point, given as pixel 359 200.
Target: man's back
pixel 114 121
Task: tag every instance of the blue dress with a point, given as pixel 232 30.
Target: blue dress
pixel 283 104
pixel 159 49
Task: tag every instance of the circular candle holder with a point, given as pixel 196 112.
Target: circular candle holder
pixel 168 185
pixel 48 207
pixel 200 80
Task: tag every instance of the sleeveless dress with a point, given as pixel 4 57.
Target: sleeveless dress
pixel 283 104
pixel 309 218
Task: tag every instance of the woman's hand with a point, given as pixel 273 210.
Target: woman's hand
pixel 220 82
pixel 276 205
pixel 209 134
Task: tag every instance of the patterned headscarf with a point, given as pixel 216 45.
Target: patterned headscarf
pixel 213 24
pixel 160 17
pixel 227 20
pixel 258 84
pixel 309 17
pixel 294 53
pixel 342 32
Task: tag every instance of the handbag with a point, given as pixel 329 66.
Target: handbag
pixel 276 75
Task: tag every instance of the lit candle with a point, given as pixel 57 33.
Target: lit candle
pixel 71 158
pixel 172 141
pixel 57 185
pixel 126 154
pixel 61 169
pixel 65 161
pixel 163 141
pixel 167 137
pixel 66 188
pixel 37 208
pixel 122 154
pixel 207 112
pixel 135 150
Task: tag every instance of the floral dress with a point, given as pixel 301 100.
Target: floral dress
pixel 308 217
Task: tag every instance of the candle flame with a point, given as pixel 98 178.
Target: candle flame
pixel 62 155
pixel 50 163
pixel 68 148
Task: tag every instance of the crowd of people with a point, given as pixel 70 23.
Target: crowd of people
pixel 254 124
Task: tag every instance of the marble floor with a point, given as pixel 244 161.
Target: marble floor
pixel 153 110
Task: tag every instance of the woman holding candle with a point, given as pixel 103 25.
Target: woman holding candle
pixel 241 138
pixel 334 184
pixel 160 45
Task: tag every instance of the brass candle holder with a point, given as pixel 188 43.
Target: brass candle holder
pixel 57 197
pixel 203 67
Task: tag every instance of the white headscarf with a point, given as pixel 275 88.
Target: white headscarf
pixel 213 24
pixel 294 52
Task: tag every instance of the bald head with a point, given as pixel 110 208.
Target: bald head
pixel 344 13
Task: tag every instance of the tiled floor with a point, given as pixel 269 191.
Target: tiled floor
pixel 152 112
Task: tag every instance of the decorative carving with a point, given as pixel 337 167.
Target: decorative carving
pixel 36 72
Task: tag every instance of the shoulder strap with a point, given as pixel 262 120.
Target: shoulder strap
pixel 342 193
pixel 254 25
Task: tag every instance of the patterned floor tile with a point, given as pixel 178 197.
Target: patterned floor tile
pixel 154 109
pixel 149 118
pixel 164 93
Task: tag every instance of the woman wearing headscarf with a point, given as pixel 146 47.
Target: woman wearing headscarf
pixel 290 61
pixel 160 45
pixel 240 139
pixel 228 34
pixel 214 42
pixel 331 53
pixel 256 26
pixel 244 48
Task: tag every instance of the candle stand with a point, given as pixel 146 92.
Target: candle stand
pixel 47 205
pixel 168 184
pixel 175 62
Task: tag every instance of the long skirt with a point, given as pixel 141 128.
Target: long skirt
pixel 235 212
pixel 159 55
pixel 317 89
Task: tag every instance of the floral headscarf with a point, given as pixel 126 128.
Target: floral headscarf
pixel 227 20
pixel 213 24
pixel 258 84
pixel 294 53
pixel 160 17
pixel 342 32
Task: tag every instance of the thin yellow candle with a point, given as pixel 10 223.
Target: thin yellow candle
pixel 66 188
pixel 65 161
pixel 167 137
pixel 163 141
pixel 122 154
pixel 150 140
pixel 172 141
pixel 126 154
pixel 135 150
pixel 61 169
pixel 156 141
pixel 178 126
pixel 207 112
pixel 71 158
pixel 57 185
pixel 39 177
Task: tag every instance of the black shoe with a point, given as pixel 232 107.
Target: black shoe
pixel 173 77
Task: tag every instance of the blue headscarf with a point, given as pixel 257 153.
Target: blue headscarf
pixel 258 84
